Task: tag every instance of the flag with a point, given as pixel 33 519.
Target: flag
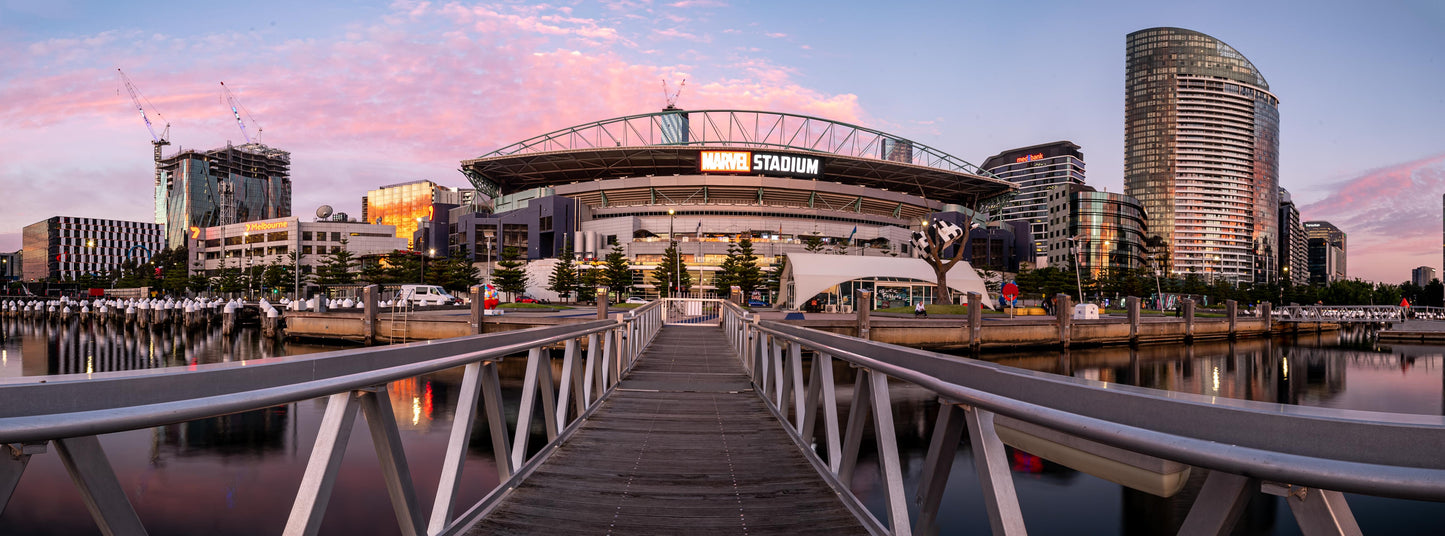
pixel 855 231
pixel 698 232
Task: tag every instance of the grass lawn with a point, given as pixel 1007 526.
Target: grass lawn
pixel 526 306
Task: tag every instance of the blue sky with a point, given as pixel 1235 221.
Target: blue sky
pixel 371 94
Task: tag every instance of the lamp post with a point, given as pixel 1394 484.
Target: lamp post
pixel 1078 266
pixel 676 255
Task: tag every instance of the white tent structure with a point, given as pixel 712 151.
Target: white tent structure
pixel 807 274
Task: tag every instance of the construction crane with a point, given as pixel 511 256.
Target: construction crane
pixel 157 140
pixel 670 98
pixel 236 110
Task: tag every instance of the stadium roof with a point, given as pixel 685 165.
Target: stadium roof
pixel 669 142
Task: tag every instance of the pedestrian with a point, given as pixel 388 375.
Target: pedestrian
pixel 918 311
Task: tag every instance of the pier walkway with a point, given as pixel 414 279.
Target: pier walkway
pixel 683 445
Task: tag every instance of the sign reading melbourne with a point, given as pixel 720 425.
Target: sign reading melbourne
pixel 776 164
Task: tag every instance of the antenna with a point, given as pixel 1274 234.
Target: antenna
pixel 670 98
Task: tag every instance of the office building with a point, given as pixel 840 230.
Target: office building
pixel 1101 232
pixel 1294 248
pixel 1201 152
pixel 232 184
pixel 1421 275
pixel 253 245
pixel 408 206
pixel 64 248
pixel 1037 170
pixel 1327 252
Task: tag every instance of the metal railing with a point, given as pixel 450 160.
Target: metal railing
pixel 692 311
pixel 1134 436
pixel 1356 313
pixel 70 412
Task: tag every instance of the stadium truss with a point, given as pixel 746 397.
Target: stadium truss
pixel 668 142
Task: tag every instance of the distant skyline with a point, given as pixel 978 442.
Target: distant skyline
pixel 378 94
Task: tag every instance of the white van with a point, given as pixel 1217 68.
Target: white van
pixel 427 295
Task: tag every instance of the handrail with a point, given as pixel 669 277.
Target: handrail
pixel 1243 443
pixel 70 411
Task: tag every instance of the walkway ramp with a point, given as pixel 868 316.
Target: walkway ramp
pixel 682 447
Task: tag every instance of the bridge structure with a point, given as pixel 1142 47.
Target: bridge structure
pixel 696 415
pixel 1354 314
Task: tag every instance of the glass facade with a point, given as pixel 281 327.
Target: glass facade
pixel 404 205
pixel 233 184
pixel 1103 232
pixel 1201 143
pixel 65 248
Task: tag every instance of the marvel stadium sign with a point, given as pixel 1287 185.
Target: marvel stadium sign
pixel 777 164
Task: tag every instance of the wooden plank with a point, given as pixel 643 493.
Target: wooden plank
pixel 683 446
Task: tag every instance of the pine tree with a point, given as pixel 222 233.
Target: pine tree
pixel 812 243
pixel 617 275
pixel 672 272
pixel 564 278
pixel 509 276
pixel 337 267
pixel 740 269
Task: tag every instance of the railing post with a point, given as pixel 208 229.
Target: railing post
pixel 102 493
pixel 601 303
pixel 323 465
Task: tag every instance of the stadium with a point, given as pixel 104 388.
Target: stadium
pixel 707 177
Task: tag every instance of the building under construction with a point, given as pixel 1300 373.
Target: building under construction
pixel 232 184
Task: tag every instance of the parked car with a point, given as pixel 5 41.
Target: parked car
pixel 636 300
pixel 427 295
pixel 757 303
pixel 526 299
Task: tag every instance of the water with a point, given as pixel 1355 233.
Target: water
pixel 239 474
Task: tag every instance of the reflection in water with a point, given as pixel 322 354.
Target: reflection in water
pixel 238 474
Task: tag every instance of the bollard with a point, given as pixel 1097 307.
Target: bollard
pixel 862 306
pixel 369 295
pixel 1188 304
pixel 479 294
pixel 975 321
pixel 602 303
pixel 1065 317
pixel 270 323
pixel 228 319
pixel 1132 304
pixel 1231 311
pixel 1267 312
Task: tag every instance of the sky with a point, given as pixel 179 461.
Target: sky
pixel 367 94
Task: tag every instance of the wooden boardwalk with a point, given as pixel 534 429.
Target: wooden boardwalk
pixel 684 446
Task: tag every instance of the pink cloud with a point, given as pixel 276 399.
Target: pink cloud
pixel 405 97
pixel 1391 217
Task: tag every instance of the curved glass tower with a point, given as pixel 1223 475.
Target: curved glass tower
pixel 1201 153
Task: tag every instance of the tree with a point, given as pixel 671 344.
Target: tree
pixel 740 269
pixel 671 274
pixel 617 273
pixel 337 267
pixel 455 273
pixel 773 279
pixel 588 281
pixel 812 243
pixel 564 278
pixel 509 276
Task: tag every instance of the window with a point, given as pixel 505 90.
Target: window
pixel 335 237
pixel 306 235
pixel 305 250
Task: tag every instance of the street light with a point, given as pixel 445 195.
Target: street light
pixel 1078 267
pixel 676 255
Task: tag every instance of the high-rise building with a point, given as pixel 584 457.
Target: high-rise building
pixel 1103 232
pixel 232 184
pixel 1201 152
pixel 409 205
pixel 66 248
pixel 1037 170
pixel 1294 248
pixel 1421 275
pixel 1327 251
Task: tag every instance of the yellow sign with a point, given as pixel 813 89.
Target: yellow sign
pixel 266 226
